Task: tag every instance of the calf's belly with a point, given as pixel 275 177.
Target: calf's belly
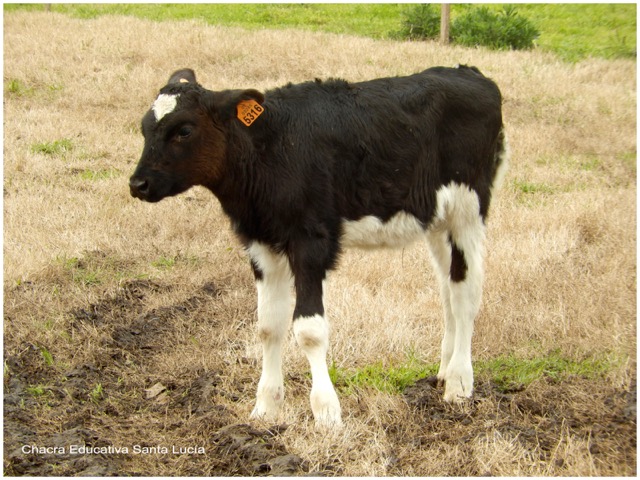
pixel 371 232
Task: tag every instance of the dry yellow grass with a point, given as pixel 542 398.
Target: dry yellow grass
pixel 561 253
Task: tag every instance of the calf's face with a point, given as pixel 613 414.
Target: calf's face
pixel 182 147
pixel 185 139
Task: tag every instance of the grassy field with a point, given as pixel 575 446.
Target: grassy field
pixel 572 31
pixel 577 31
pixel 129 324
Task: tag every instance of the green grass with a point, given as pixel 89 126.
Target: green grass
pixel 97 393
pixel 385 378
pixel 17 87
pixel 164 262
pixel 630 160
pixel 81 272
pixel 36 390
pixel 507 372
pixel 573 31
pixel 372 20
pixel 56 147
pixel 533 188
pixel 167 262
pixel 92 175
pixel 46 356
pixel 510 372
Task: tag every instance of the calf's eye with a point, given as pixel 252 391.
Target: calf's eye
pixel 184 132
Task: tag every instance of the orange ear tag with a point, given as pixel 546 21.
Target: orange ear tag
pixel 249 111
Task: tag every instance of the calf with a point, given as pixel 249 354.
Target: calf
pixel 305 170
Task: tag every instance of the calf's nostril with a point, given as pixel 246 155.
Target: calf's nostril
pixel 138 186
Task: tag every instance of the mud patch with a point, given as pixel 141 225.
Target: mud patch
pixel 539 420
pixel 247 451
pixel 127 301
pixel 132 327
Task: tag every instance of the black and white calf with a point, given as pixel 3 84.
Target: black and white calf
pixel 305 170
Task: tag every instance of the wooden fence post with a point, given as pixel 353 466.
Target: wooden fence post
pixel 444 23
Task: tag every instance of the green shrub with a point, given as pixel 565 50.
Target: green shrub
pixel 502 30
pixel 420 22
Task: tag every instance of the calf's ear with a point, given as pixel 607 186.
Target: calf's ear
pixel 185 75
pixel 251 94
pixel 225 103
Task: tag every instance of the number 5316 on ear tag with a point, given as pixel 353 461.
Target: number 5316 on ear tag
pixel 249 111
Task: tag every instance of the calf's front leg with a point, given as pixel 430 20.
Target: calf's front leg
pixel 273 283
pixel 311 330
pixel 312 335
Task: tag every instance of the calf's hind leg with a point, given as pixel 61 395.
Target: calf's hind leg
pixel 459 248
pixel 440 249
pixel 465 286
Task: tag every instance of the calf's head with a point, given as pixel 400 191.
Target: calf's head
pixel 186 133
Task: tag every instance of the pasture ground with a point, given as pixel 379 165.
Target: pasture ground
pixel 128 324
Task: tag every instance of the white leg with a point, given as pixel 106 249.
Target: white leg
pixel 312 335
pixel 274 308
pixel 465 304
pixel 441 256
pixel 459 209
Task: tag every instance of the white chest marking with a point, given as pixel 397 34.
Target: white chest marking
pixel 369 232
pixel 164 104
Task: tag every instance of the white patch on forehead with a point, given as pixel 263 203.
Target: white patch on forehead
pixel 164 104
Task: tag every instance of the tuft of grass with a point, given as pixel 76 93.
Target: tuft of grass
pixel 97 393
pixel 590 163
pixel 164 262
pixel 56 147
pixel 92 268
pixel 46 356
pixel 17 87
pixel 36 390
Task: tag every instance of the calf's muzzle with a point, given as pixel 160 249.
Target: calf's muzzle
pixel 139 187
